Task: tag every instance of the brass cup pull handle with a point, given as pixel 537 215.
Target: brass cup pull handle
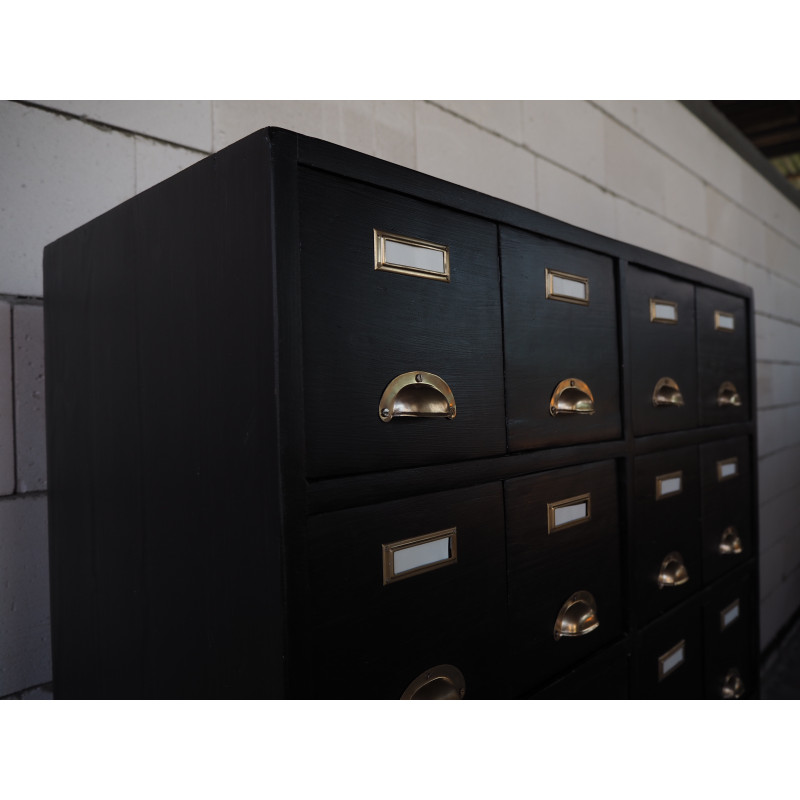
pixel 443 682
pixel 673 571
pixel 577 617
pixel 417 394
pixel 667 393
pixel 732 685
pixel 728 395
pixel 730 543
pixel 572 396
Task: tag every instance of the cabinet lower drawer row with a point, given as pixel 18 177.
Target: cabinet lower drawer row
pixel 704 649
pixel 513 582
pixel 433 336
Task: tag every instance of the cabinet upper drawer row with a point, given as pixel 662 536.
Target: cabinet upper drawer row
pixel 432 336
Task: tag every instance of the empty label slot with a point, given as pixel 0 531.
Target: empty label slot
pixel 419 554
pixel 727 469
pixel 663 311
pixel 566 287
pixel 671 660
pixel 565 513
pixel 723 321
pixel 668 485
pixel 729 615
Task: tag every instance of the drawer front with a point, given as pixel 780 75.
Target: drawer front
pixel 563 569
pixel 663 361
pixel 386 601
pixel 606 676
pixel 668 657
pixel 560 327
pixel 730 640
pixel 364 327
pixel 665 541
pixel 722 346
pixel 726 505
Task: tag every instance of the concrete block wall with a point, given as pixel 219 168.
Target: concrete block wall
pixel 649 173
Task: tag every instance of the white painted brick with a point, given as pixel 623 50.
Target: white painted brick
pixel 767 203
pixel 777 340
pixel 642 228
pixel 776 518
pixel 501 116
pixel 777 428
pixel 686 246
pixel 778 473
pixel 685 199
pixel 7 476
pixel 156 162
pixel 778 384
pixel 778 608
pixel 56 174
pixel 733 228
pixel 235 119
pixel 624 111
pixel 29 398
pixel 570 133
pixel 24 594
pixel 760 280
pixel 722 262
pixel 782 256
pixel 457 151
pixel 728 172
pixel 572 199
pixel 185 122
pixel 395 132
pixel 634 170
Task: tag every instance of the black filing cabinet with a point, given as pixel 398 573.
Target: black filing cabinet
pixel 320 426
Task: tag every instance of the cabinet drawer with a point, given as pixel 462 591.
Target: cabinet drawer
pixel 364 327
pixel 560 328
pixel 605 676
pixel 730 640
pixel 727 515
pixel 385 600
pixel 665 540
pixel 663 361
pixel 668 657
pixel 563 569
pixel 724 370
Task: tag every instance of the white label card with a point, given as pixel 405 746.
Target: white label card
pixel 728 470
pixel 424 259
pixel 730 614
pixel 669 662
pixel 569 288
pixel 669 485
pixel 666 312
pixel 725 322
pixel 421 555
pixel 565 514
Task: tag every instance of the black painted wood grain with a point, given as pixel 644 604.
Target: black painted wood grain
pixel 661 350
pixel 365 639
pixel 547 341
pixel 725 503
pixel 362 328
pixel 544 570
pixel 659 527
pixel 722 356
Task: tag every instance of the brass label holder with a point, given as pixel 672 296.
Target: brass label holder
pixel 671 660
pixel 406 255
pixel 729 615
pixel 727 468
pixel 566 287
pixel 669 485
pixel 563 514
pixel 419 554
pixel 663 311
pixel 723 321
